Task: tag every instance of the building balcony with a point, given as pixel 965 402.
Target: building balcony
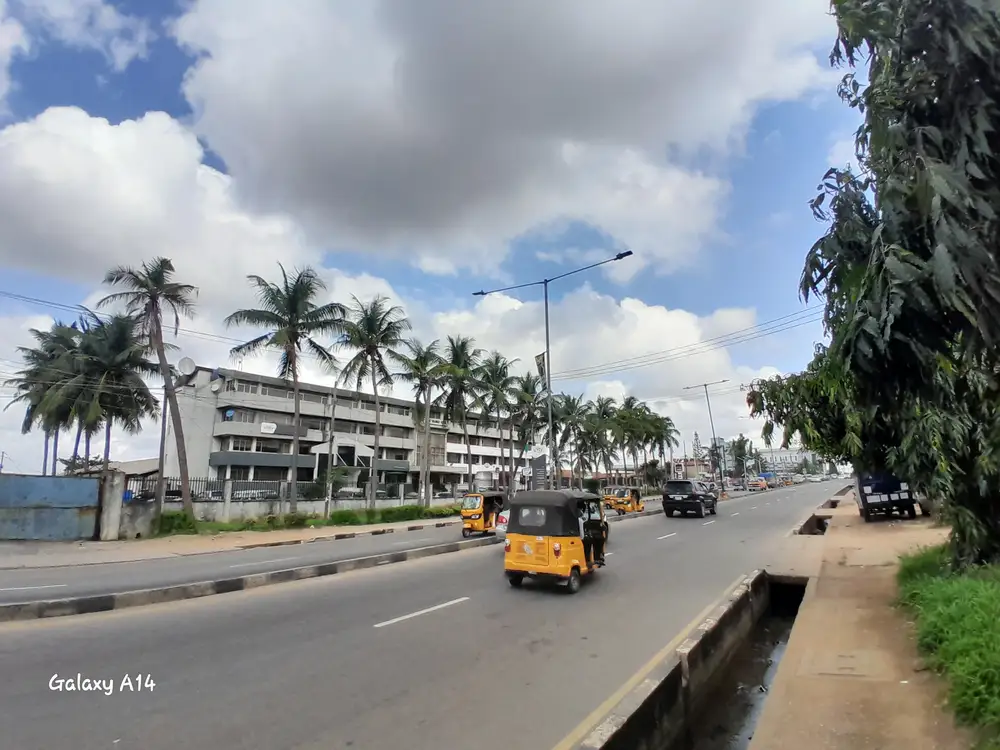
pixel 259 458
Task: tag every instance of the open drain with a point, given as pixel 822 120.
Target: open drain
pixel 735 706
pixel 815 525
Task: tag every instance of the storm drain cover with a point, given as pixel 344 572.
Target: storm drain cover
pixel 861 664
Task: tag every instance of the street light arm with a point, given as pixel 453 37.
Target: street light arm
pixel 543 282
pixel 618 257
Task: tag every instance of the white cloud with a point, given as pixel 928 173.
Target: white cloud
pixel 438 131
pixel 13 41
pixel 92 25
pixel 842 153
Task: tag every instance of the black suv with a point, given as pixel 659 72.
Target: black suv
pixel 689 496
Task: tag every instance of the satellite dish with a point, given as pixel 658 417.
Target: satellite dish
pixel 216 386
pixel 186 366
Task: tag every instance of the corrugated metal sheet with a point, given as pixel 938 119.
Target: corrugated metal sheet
pixel 48 508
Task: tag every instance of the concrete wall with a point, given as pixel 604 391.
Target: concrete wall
pixel 48 508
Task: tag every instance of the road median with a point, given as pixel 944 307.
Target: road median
pixel 126 599
pixel 107 602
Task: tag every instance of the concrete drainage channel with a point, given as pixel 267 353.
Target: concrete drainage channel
pixel 83 605
pixel 709 693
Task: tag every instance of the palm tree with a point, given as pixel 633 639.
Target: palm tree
pixel 148 293
pixel 376 330
pixel 497 397
pixel 529 411
pixel 423 369
pixel 293 319
pixel 108 385
pixel 462 388
pixel 572 412
pixel 46 365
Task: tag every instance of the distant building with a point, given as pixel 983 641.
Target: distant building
pixel 239 426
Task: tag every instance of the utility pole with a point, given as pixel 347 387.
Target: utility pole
pixel 711 421
pixel 160 479
pixel 3 457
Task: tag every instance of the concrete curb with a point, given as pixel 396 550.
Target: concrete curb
pixel 349 535
pixel 661 704
pixel 106 602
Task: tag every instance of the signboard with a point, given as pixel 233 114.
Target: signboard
pixel 268 428
pixel 540 364
pixel 538 472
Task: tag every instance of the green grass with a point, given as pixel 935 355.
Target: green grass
pixel 958 631
pixel 176 522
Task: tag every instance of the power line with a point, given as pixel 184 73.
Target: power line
pixel 768 328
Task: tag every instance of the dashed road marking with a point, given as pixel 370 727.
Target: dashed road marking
pixel 419 612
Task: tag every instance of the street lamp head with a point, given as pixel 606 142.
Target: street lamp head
pixel 479 294
pixel 623 255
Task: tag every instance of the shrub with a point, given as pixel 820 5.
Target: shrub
pixel 957 618
pixel 176 522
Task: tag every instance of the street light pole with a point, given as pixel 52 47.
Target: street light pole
pixel 544 283
pixel 548 401
pixel 711 422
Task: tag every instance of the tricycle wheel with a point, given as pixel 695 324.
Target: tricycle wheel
pixel 573 584
pixel 867 516
pixel 515 581
pixel 911 512
pixel 466 533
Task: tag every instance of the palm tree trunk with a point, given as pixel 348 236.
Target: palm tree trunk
pixel 175 417
pixel 45 454
pixel 55 452
pixel 468 455
pixel 76 443
pixel 293 490
pixel 107 445
pixel 502 454
pixel 426 478
pixel 378 429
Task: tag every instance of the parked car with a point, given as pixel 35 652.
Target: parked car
pixel 689 496
pixel 756 485
pixel 883 493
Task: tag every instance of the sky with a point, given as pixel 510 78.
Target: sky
pixel 425 156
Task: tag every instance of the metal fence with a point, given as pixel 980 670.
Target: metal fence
pixel 213 490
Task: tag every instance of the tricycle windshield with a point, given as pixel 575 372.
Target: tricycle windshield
pixel 471 502
pixel 621 493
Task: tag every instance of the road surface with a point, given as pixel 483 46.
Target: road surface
pixel 35 584
pixel 429 655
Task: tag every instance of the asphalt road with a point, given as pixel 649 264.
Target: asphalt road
pixel 435 654
pixel 35 584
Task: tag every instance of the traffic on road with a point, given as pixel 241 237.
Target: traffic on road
pixel 385 657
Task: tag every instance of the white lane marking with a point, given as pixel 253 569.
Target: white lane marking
pixel 31 588
pixel 735 514
pixel 666 536
pixel 384 562
pixel 608 553
pixel 754 508
pixel 411 541
pixel 708 523
pixel 767 504
pixel 419 612
pixel 263 562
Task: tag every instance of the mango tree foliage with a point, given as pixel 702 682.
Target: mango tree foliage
pixel 908 266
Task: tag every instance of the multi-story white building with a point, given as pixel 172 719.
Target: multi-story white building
pixel 239 426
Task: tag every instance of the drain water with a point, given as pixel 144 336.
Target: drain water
pixel 732 712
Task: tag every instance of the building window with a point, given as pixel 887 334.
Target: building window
pixel 366 429
pixel 343 426
pixel 345 403
pixel 270 390
pixel 396 432
pixel 398 456
pixel 367 405
pixel 456 458
pixel 241 444
pixel 314 424
pixel 272 446
pixel 402 411
pixel 239 473
pixel 313 398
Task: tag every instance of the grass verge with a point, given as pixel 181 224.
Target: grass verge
pixel 176 522
pixel 958 632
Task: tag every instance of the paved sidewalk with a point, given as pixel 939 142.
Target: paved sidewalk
pixel 850 678
pixel 55 554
